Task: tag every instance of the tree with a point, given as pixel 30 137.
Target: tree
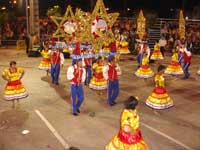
pixel 55 11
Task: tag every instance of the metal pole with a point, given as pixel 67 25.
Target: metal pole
pixel 27 17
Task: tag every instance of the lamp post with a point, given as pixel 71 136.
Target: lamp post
pixel 27 16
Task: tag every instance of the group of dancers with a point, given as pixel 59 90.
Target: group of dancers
pixel 99 74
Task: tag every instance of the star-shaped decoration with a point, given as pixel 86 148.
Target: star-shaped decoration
pixel 100 12
pixel 60 21
pixel 83 21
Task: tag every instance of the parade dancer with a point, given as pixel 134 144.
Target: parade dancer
pixel 187 62
pixel 88 65
pixel 14 89
pixel 57 59
pixel 174 68
pixel 76 75
pixel 140 48
pixel 159 98
pixel 46 61
pixel 110 73
pixel 144 71
pixel 129 136
pixel 181 49
pixel 98 82
pixel 157 55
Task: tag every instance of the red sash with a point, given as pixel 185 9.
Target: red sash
pixel 129 138
pixel 160 90
pixel 14 83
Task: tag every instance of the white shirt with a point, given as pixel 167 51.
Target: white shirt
pixel 106 68
pixel 70 73
pixel 162 42
pixel 62 59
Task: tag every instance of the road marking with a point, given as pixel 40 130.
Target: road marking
pixel 166 136
pixel 52 129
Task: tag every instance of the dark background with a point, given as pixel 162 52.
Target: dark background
pixel 164 8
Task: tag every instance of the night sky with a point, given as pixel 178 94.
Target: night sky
pixel 162 7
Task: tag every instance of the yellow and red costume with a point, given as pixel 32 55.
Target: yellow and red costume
pixel 106 47
pixel 98 82
pixel 174 68
pixel 157 55
pixel 125 140
pixel 123 48
pixel 159 98
pixel 14 89
pixel 144 71
pixel 46 61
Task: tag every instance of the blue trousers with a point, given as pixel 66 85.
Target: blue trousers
pixel 180 58
pixel 186 69
pixel 55 71
pixel 73 62
pixel 77 96
pixel 113 91
pixel 139 59
pixel 88 74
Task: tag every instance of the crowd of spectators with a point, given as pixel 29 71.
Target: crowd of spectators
pixel 170 31
pixel 124 29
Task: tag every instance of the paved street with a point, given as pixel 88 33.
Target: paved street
pixel 177 128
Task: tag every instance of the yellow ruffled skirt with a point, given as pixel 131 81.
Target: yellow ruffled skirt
pixel 45 64
pixel 123 50
pixel 14 90
pixel 144 72
pixel 174 69
pixel 124 142
pixel 159 99
pixel 157 55
pixel 98 82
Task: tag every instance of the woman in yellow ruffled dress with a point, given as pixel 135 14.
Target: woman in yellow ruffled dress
pixel 174 68
pixel 46 61
pixel 144 71
pixel 14 89
pixel 123 48
pixel 157 55
pixel 129 136
pixel 159 98
pixel 98 82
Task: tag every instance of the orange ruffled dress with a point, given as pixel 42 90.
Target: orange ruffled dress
pixel 98 82
pixel 125 140
pixel 174 68
pixel 157 55
pixel 14 89
pixel 46 61
pixel 159 98
pixel 144 71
